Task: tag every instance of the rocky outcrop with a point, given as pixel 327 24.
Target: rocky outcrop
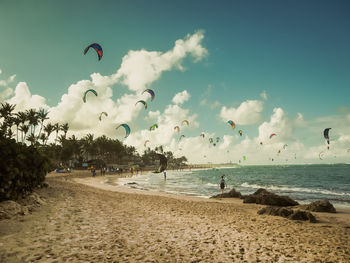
pixel 232 194
pixel 320 206
pixel 288 213
pixel 261 196
pixel 9 209
pixel 302 215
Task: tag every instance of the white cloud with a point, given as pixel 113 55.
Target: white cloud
pixel 279 124
pixel 263 95
pixel 248 113
pixel 140 68
pixel 24 100
pixel 6 93
pixel 181 97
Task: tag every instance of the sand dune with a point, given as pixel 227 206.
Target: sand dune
pixel 79 223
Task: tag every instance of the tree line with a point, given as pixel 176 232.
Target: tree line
pixel 33 128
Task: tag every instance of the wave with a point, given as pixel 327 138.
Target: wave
pixel 295 189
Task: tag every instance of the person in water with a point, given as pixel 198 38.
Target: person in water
pixel 222 184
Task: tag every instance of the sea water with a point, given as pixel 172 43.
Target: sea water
pixel 303 183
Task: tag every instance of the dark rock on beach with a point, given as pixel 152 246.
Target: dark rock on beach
pixel 232 194
pixel 288 213
pixel 275 211
pixel 261 196
pixel 320 206
pixel 9 209
pixel 302 215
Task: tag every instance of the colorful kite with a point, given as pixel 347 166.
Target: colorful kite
pixel 97 48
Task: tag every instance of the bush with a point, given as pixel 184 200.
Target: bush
pixel 22 168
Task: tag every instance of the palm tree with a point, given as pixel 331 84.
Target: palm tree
pixel 24 128
pixel 6 110
pixel 42 116
pixel 17 121
pixel 64 128
pixel 33 119
pixel 49 128
pixel 31 138
pixel 43 137
pixel 57 128
pixel 6 113
pixel 87 145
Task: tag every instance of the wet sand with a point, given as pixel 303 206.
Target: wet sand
pixel 84 220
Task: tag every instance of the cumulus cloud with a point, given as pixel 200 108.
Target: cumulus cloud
pixel 172 116
pixel 248 113
pixel 24 100
pixel 279 124
pixel 140 68
pixel 5 90
pixel 181 97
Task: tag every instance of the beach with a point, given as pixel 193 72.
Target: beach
pixel 84 220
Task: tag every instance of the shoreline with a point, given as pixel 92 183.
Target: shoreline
pixel 97 183
pixel 80 222
pixel 339 207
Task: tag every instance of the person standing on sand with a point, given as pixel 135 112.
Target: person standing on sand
pixel 222 184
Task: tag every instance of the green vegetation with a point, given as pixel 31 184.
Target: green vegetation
pixel 26 150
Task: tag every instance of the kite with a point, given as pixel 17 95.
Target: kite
pixel 326 135
pixel 127 129
pixel 150 92
pixel 145 143
pixel 186 121
pixel 272 134
pixel 320 155
pixel 153 127
pixel 233 125
pixel 163 163
pixel 89 90
pixel 97 48
pixel 100 117
pixel 143 102
pixel 177 128
pixel 240 132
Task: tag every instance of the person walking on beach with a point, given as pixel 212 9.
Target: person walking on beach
pixel 222 184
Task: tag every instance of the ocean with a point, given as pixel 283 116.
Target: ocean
pixel 303 183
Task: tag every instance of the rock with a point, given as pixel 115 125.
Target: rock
pixel 275 211
pixel 302 215
pixel 261 196
pixel 232 194
pixel 287 213
pixel 321 206
pixel 32 200
pixel 9 208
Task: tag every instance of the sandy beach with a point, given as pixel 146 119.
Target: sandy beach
pixel 83 220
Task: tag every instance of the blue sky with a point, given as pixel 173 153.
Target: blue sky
pixel 295 51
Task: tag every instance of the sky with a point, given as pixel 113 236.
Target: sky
pixel 278 67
